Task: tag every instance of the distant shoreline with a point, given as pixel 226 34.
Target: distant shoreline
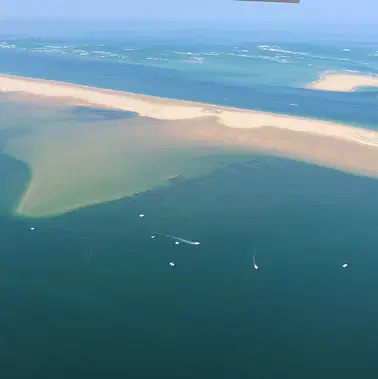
pixel 343 82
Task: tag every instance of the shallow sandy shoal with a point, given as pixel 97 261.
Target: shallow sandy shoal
pixel 343 82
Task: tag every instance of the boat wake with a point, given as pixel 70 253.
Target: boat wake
pixel 178 239
pixel 256 267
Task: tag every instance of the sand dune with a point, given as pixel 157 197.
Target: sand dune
pixel 344 82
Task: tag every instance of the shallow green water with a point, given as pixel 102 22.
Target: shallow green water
pixel 15 176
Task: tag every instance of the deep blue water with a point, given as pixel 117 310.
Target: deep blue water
pixel 122 311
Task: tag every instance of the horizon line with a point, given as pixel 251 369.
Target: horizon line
pixel 171 19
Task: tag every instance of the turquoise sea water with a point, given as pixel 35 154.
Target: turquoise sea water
pixel 90 295
pixel 242 68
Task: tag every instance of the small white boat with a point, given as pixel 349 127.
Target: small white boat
pixel 153 237
pixel 345 265
pixel 141 215
pixel 177 243
pixel 32 229
pixel 172 264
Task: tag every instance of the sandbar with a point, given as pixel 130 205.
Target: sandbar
pixel 343 82
pixel 171 109
pixel 81 166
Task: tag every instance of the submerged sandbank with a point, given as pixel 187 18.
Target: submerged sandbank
pixel 344 82
pixel 74 165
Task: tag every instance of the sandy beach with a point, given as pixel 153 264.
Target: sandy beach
pixel 73 170
pixel 343 82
